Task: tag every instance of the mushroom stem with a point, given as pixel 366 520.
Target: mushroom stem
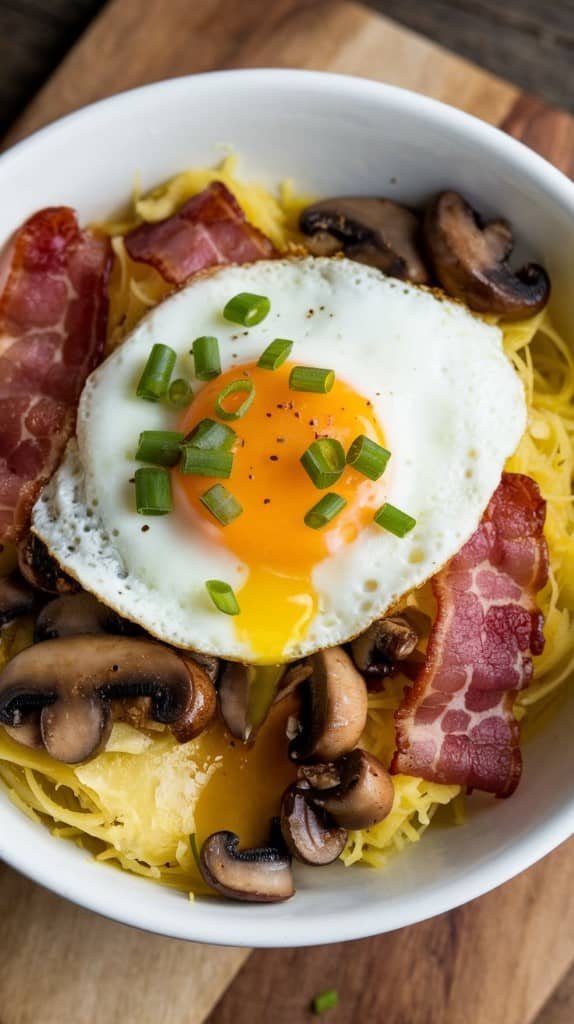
pixel 309 833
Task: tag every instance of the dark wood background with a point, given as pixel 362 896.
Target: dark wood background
pixel 529 42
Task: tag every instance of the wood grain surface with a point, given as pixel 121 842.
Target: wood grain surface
pixel 500 959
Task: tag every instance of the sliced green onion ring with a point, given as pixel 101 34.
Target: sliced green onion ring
pixel 210 434
pixel 206 462
pixel 393 520
pixel 247 309
pixel 205 352
pixel 222 504
pixel 223 597
pixel 368 457
pixel 154 381
pixel 324 461
pixel 325 511
pixel 275 354
pixel 311 378
pixel 161 447
pixel 235 388
pixel 180 393
pixel 153 491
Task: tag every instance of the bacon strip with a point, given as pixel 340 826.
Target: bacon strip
pixel 456 725
pixel 53 313
pixel 209 229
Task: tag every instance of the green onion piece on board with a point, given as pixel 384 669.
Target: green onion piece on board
pixel 324 461
pixel 325 1001
pixel 311 378
pixel 206 462
pixel 393 520
pixel 324 511
pixel 236 387
pixel 154 381
pixel 223 597
pixel 275 354
pixel 221 503
pixel 161 447
pixel 180 393
pixel 153 491
pixel 205 351
pixel 247 309
pixel 368 457
pixel 210 434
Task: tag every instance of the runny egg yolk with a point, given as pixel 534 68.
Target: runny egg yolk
pixel 270 537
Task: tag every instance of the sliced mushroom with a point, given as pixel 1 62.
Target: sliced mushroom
pixel 334 708
pixel 16 598
pixel 208 662
pixel 261 875
pixel 309 834
pixel 356 791
pixel 70 682
pixel 386 642
pixel 80 613
pixel 246 694
pixel 370 230
pixel 470 259
pixel 41 570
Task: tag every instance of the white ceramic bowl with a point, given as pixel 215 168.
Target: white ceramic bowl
pixel 331 134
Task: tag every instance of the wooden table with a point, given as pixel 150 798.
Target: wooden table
pixel 507 958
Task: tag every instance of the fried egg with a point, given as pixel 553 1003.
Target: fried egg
pixel 414 371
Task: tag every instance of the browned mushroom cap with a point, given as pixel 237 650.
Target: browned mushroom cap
pixel 79 613
pixel 261 875
pixel 16 598
pixel 41 570
pixel 334 708
pixel 309 834
pixel 357 791
pixel 470 261
pixel 370 230
pixel 70 682
pixel 246 694
pixel 386 642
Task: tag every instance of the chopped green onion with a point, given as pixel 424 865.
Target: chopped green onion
pixel 311 378
pixel 221 503
pixel 206 462
pixel 223 597
pixel 162 447
pixel 393 520
pixel 275 354
pixel 325 1001
pixel 210 434
pixel 368 457
pixel 205 352
pixel 325 511
pixel 153 491
pixel 180 393
pixel 154 381
pixel 324 461
pixel 247 309
pixel 235 388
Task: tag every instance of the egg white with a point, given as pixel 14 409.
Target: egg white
pixel 450 404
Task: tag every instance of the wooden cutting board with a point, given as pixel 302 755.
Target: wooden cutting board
pixel 496 961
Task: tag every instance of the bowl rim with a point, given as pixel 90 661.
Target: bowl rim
pixel 501 866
